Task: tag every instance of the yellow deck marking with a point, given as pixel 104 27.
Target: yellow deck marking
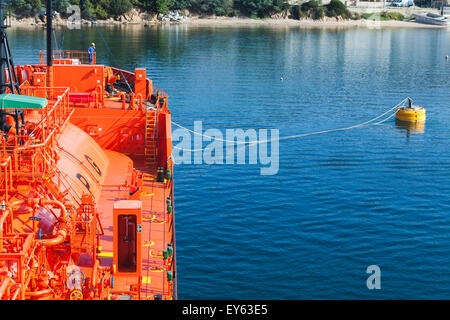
pixel 149 219
pixel 148 179
pixel 159 222
pixel 154 255
pixel 146 279
pixel 105 254
pixel 148 244
pixel 147 194
pixel 156 270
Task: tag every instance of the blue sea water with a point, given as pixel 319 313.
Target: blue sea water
pixel 341 201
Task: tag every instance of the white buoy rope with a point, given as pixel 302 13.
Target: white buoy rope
pixel 301 135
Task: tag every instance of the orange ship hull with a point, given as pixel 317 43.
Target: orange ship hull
pixel 87 187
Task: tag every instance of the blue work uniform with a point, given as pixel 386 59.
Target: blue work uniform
pixel 91 51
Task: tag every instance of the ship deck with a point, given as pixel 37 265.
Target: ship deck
pixel 88 153
pixel 157 231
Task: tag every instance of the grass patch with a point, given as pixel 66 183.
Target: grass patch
pixel 385 16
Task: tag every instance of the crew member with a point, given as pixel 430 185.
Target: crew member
pixel 91 51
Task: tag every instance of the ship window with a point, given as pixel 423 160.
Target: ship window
pixel 127 243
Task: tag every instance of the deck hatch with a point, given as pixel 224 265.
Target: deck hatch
pixel 127 243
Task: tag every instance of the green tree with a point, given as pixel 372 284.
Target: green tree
pixel 101 12
pixel 337 8
pixel 162 6
pixel 26 7
pixel 319 13
pixel 119 7
pixel 35 4
pixel 61 5
pixel 84 13
pixel 217 7
pixel 144 4
pixel 262 8
pixel 181 4
pixel 313 4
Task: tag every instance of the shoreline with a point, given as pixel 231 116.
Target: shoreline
pixel 330 22
pixel 239 22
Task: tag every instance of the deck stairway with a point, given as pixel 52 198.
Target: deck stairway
pixel 151 136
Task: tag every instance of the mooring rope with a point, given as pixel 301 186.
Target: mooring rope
pixel 362 124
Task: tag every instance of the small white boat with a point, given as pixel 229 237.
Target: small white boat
pixel 432 18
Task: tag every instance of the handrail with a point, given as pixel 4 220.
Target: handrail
pixel 28 150
pixel 174 241
pixel 162 100
pixel 48 115
pixel 82 56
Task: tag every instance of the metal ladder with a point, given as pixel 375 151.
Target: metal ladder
pixel 150 136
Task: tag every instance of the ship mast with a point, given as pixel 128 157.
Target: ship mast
pixel 7 68
pixel 49 11
pixel 49 33
pixel 6 61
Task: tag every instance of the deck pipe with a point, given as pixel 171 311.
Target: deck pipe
pixel 60 235
pixel 63 231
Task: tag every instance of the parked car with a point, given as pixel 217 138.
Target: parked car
pixel 403 3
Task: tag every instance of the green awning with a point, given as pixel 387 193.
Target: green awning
pixel 17 101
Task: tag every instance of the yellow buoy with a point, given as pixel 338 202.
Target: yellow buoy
pixel 411 113
pixel 411 127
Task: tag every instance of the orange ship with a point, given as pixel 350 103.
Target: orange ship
pixel 86 180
